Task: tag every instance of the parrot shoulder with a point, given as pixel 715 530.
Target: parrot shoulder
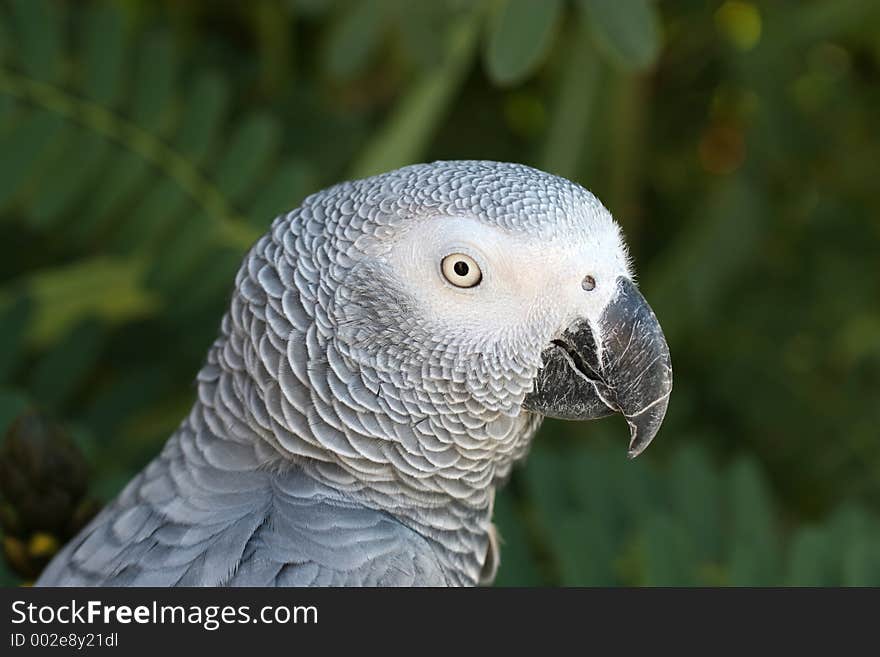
pixel 211 521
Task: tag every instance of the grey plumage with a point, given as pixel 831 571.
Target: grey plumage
pixel 209 515
pixel 352 423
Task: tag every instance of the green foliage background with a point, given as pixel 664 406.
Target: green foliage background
pixel 145 144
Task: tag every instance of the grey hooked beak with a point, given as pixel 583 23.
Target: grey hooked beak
pixel 628 371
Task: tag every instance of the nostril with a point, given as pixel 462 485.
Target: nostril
pixel 589 283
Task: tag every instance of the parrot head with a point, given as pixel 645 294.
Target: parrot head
pixel 482 292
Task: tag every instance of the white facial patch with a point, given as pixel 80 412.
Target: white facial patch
pixel 525 280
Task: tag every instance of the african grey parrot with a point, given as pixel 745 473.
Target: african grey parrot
pixel 390 349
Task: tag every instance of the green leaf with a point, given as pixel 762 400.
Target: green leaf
pixel 668 554
pixel 12 403
pixel 517 567
pixel 694 273
pixel 422 28
pixel 354 37
pixel 7 579
pixel 861 562
pixel 272 26
pixel 216 275
pixel 126 174
pixel 158 209
pixel 808 564
pixel 754 550
pixel 176 260
pixel 586 551
pixel 14 320
pixel 825 20
pixel 590 474
pixel 38 26
pixel 71 172
pixel 252 147
pixel 547 487
pixel 120 398
pixel 636 488
pixel 96 287
pixel 284 191
pixel 154 78
pixel 312 8
pixel 105 55
pixel 405 135
pixel 627 31
pixel 8 108
pixel 6 44
pixel 520 36
pixel 21 149
pixel 695 494
pixel 573 106
pixel 74 355
pixel 750 503
pixel 203 114
pixel 139 131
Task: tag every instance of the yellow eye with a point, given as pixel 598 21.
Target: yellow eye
pixel 461 270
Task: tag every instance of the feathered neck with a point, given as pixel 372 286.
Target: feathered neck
pixel 406 437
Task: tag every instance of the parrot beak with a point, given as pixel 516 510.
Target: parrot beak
pixel 627 371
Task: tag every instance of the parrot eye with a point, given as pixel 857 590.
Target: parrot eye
pixel 461 270
pixel 589 283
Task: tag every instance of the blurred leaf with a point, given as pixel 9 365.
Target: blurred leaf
pixel 203 114
pixel 861 562
pixel 824 20
pixel 141 147
pixel 740 22
pixel 406 133
pixel 12 404
pixel 285 190
pixel 120 398
pixel 548 488
pixel 39 35
pixel 97 287
pixel 74 354
pixel 156 72
pixel 275 36
pixel 247 155
pixel 694 271
pixel 83 158
pixel 518 562
pixel 104 45
pixel 586 552
pixel 21 148
pixel 695 489
pixel 628 31
pixel 809 560
pixel 572 111
pixel 14 321
pixel 156 209
pixel 354 36
pixel 668 554
pixel 752 540
pixel 520 35
pixel 422 28
pixel 7 579
pixel 311 7
pixel 690 524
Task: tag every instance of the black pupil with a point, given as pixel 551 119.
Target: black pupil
pixel 461 268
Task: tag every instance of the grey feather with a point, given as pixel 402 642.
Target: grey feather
pixel 179 524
